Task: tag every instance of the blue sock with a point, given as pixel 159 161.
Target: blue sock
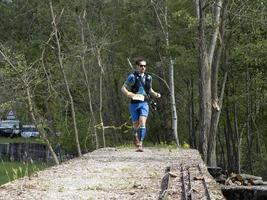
pixel 142 133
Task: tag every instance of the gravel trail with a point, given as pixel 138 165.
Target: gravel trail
pixel 107 174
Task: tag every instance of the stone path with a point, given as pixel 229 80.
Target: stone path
pixel 109 174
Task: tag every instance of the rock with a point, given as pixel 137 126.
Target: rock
pixel 173 175
pixel 132 192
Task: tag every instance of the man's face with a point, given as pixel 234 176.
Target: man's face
pixel 142 66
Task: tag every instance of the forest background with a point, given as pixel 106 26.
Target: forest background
pixel 62 65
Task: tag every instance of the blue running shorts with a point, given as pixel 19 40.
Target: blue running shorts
pixel 138 109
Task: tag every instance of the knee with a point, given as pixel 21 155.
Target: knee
pixel 136 124
pixel 142 123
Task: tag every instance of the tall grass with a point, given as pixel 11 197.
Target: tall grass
pixel 10 171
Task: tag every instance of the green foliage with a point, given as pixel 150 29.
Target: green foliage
pixel 13 170
pixel 185 145
pixel 252 54
pixel 121 30
pixel 260 166
pixel 171 145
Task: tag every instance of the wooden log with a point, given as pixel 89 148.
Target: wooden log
pixel 221 179
pixel 244 179
pixel 233 175
pixel 245 192
pixel 239 177
pixel 215 171
pixel 238 183
pixel 256 182
pixel 229 182
pixel 247 177
pixel 247 183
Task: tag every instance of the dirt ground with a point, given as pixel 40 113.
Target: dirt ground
pixel 109 174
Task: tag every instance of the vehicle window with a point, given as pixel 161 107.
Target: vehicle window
pixel 9 124
pixel 30 129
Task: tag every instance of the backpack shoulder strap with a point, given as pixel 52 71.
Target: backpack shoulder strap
pixel 136 85
pixel 135 73
pixel 148 80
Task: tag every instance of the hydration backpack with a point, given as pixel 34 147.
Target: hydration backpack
pixel 139 81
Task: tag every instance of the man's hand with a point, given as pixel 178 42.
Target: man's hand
pixel 139 97
pixel 130 95
pixel 126 92
pixel 154 94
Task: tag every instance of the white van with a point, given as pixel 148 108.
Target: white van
pixel 10 128
pixel 29 131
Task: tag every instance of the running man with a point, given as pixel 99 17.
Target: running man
pixel 138 87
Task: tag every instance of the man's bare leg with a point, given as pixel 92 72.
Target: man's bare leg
pixel 135 132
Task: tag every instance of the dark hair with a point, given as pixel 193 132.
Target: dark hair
pixel 138 60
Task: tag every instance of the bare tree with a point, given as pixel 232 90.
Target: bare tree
pixel 101 96
pixel 164 27
pixel 97 44
pixel 62 69
pixel 207 93
pixel 249 121
pixel 84 50
pixel 37 119
pixel 97 53
pixel 191 113
pixel 217 101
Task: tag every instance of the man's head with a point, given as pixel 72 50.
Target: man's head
pixel 141 64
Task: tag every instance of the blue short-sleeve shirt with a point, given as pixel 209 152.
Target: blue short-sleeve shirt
pixel 130 81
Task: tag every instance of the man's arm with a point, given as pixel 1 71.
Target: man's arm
pixel 126 92
pixel 151 91
pixel 154 94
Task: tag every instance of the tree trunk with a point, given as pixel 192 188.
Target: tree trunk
pixel 164 27
pixel 190 118
pixel 191 112
pixel 213 130
pixel 258 143
pixel 101 108
pixel 237 137
pixel 215 101
pixel 87 82
pixel 60 59
pixel 216 110
pixel 249 131
pixel 222 159
pixel 173 104
pixel 96 51
pixel 171 77
pixel 204 85
pixel 205 64
pixel 229 138
pixel 39 125
pixel 100 65
pixel 230 160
